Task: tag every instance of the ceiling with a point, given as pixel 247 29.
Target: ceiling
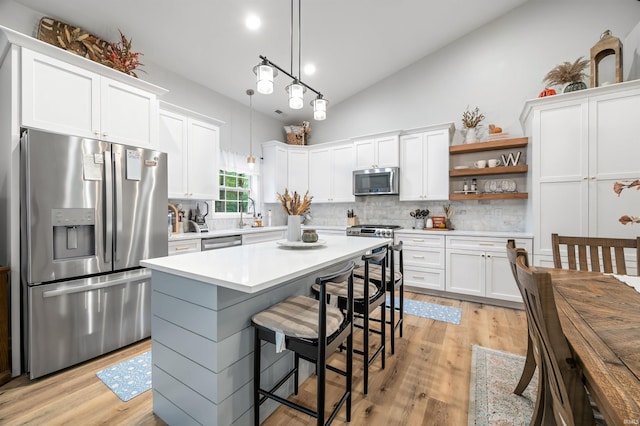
pixel 353 43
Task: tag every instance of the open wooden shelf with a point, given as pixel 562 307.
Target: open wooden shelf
pixel 521 168
pixel 490 196
pixel 489 146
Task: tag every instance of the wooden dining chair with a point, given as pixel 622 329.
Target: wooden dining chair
pixel 565 397
pixel 594 254
pixel 530 362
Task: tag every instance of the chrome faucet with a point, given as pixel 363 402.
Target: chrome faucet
pixel 241 224
pixel 253 206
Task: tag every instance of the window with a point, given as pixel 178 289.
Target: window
pixel 234 192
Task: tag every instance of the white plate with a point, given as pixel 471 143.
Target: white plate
pixel 461 167
pixel 300 244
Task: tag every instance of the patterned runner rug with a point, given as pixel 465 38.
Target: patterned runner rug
pixel 129 378
pixel 494 375
pixel 434 311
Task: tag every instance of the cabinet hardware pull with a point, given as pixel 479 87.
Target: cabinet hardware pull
pixel 418 257
pixel 417 277
pixel 181 248
pixel 486 244
pixel 417 241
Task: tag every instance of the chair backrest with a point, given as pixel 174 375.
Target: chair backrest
pixel 344 275
pixel 377 257
pixel 594 254
pixel 563 383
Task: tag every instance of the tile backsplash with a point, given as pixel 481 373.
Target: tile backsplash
pixel 484 215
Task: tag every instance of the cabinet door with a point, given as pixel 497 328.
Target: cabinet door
pixel 128 115
pixel 202 153
pixel 500 283
pixel 319 168
pixel 365 154
pixel 274 172
pixel 173 141
pixel 298 171
pixel 411 167
pixel 465 272
pixel 436 165
pixel 387 152
pixel 342 160
pixel 59 97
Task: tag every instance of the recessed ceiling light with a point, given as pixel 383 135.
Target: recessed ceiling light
pixel 253 22
pixel 309 69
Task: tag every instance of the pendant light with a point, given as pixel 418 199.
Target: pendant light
pixel 251 160
pixel 266 71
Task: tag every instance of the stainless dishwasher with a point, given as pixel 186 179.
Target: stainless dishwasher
pixel 220 242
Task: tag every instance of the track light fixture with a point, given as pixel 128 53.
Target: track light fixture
pixel 266 71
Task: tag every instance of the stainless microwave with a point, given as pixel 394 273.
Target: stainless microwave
pixel 384 181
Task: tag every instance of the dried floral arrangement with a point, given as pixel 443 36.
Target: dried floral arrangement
pixel 471 119
pixel 121 58
pixel 618 187
pixel 294 205
pixel 76 40
pixel 567 72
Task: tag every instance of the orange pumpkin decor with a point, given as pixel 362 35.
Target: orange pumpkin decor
pixel 547 92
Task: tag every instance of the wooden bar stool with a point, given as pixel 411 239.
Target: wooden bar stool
pixel 313 330
pixel 367 296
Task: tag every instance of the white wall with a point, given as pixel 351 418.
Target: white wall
pixel 497 67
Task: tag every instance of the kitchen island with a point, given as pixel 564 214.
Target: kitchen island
pixel 202 340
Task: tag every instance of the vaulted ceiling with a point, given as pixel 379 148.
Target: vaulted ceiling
pixel 352 43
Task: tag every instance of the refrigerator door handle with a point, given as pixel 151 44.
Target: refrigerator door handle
pixel 87 287
pixel 108 206
pixel 118 201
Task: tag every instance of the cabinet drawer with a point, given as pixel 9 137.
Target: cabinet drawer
pixel 424 278
pixel 419 240
pixel 486 244
pixel 424 257
pixel 181 247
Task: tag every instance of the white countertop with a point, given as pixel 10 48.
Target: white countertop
pixel 240 231
pixel 255 267
pixel 456 232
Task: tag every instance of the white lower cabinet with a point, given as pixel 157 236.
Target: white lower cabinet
pixel 478 266
pixel 184 246
pixel 424 260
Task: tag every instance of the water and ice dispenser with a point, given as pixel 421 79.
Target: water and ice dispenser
pixel 73 233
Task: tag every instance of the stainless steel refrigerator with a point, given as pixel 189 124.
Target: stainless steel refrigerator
pixel 90 211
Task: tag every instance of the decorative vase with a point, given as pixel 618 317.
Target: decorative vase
pixel 293 228
pixel 572 87
pixel 470 136
pixel 309 236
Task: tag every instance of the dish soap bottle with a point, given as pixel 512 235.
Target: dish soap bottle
pixel 465 185
pixel 429 223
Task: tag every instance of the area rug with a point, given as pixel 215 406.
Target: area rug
pixel 129 378
pixel 434 311
pixel 494 375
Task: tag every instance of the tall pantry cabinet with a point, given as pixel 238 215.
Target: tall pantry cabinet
pixel 582 143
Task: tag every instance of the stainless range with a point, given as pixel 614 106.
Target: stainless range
pixel 381 231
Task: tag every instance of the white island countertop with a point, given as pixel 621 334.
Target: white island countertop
pixel 256 267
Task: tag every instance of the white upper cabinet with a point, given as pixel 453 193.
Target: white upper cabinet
pixel 297 170
pixel 192 146
pixel 377 152
pixel 274 170
pixel 65 98
pixel 580 148
pixel 330 173
pixel 424 165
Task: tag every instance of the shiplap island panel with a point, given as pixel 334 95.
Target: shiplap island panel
pixel 202 340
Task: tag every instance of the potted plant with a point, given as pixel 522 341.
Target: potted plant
pixel 470 121
pixel 569 75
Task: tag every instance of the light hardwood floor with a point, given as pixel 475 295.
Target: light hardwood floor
pixel 426 382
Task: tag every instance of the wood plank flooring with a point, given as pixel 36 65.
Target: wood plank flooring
pixel 426 382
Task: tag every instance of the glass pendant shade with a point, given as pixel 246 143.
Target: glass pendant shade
pixel 319 108
pixel 264 78
pixel 296 95
pixel 251 161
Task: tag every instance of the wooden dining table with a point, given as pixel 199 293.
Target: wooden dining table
pixel 600 318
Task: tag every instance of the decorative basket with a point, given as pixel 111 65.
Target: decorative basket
pixel 295 139
pixel 73 39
